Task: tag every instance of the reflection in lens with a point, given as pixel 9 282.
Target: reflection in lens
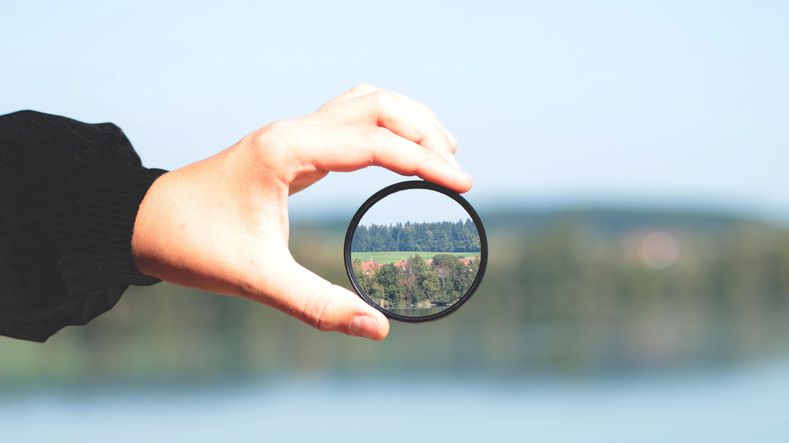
pixel 415 253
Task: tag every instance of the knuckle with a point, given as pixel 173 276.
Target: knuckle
pixel 364 87
pixel 379 134
pixel 279 129
pixel 382 98
pixel 379 140
pixel 272 142
pixel 316 311
pixel 379 137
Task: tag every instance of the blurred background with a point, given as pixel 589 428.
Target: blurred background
pixel 630 167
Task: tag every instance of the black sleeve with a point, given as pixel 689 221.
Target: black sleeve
pixel 69 195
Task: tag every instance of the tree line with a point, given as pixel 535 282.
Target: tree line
pixel 418 283
pixel 446 236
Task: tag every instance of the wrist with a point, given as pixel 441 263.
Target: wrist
pixel 142 239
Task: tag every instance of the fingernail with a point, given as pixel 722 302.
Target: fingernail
pixel 365 326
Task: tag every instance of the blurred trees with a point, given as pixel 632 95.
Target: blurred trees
pixel 565 291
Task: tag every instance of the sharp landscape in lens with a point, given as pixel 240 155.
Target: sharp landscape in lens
pixel 415 267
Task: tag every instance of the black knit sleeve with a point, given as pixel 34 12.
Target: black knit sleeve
pixel 69 195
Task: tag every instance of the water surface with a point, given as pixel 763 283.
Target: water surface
pixel 744 405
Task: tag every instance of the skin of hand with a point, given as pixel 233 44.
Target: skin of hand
pixel 221 224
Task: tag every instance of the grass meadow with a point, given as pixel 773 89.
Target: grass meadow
pixel 385 257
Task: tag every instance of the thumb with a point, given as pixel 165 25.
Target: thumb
pixel 308 297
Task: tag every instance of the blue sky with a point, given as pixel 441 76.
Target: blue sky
pixel 638 102
pixel 414 205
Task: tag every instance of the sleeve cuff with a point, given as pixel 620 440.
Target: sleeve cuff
pixel 104 232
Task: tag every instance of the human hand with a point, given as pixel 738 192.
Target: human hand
pixel 221 224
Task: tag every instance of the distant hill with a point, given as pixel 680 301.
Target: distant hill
pixel 612 220
pixel 603 220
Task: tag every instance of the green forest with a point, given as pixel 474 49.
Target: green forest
pixel 446 236
pixel 416 282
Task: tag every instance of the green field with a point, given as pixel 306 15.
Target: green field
pixel 393 256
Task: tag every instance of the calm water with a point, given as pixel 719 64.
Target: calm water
pixel 744 405
pixel 417 312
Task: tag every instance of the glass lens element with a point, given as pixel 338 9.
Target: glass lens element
pixel 415 253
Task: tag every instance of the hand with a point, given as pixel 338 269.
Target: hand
pixel 221 224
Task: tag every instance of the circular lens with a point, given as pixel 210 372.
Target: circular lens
pixel 415 251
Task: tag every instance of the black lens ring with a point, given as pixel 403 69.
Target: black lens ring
pixel 402 186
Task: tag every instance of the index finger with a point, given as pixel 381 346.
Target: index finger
pixel 345 148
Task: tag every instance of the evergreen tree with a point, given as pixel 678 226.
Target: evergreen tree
pixel 438 237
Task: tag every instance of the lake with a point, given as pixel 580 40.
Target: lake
pixel 737 405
